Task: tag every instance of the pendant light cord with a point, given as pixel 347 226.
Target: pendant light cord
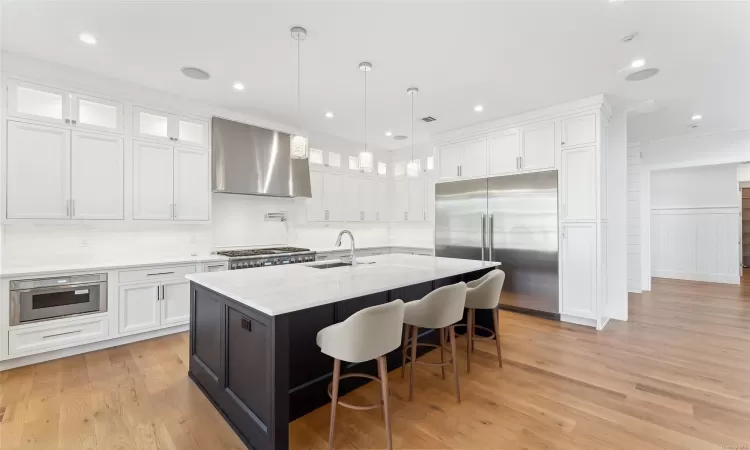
pixel 412 126
pixel 299 116
pixel 366 110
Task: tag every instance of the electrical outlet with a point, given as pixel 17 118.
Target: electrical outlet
pixel 84 242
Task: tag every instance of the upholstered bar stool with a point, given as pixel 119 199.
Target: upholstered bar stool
pixel 368 334
pixel 440 309
pixel 483 293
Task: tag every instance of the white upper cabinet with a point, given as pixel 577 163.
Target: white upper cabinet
pixel 95 113
pixel 429 200
pixel 32 101
pixel 153 181
pixel 580 130
pixel 97 176
pixel 333 197
pixel 160 125
pixel 191 184
pixel 382 193
pixel 415 190
pixel 578 269
pixel 538 148
pixel 38 172
pixel 367 202
pixel 315 212
pixel 399 201
pixel 474 158
pixel 449 160
pixel 350 211
pixel 578 190
pixel 504 148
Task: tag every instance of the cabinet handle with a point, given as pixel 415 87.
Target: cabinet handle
pixel 67 121
pixel 405 215
pixel 361 215
pixel 73 121
pixel 458 171
pixel 67 208
pixel 158 273
pixel 377 216
pixel 174 210
pixel 62 334
pixel 520 162
pixel 162 292
pixel 72 207
pixel 461 170
pixel 562 143
pixel 246 324
pixel 326 215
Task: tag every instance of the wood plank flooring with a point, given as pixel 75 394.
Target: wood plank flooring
pixel 676 376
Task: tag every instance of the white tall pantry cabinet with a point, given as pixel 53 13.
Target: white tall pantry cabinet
pixel 572 139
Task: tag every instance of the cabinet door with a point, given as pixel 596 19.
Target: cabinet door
pixel 579 184
pixel 97 176
pixel 399 201
pixel 449 158
pixel 38 172
pixel 314 204
pixel 32 101
pixel 192 189
pixel 139 307
pixel 151 124
pixel 429 201
pixel 96 113
pixel 175 304
pixel 332 197
pixel 579 269
pixel 579 130
pixel 152 181
pixel 415 188
pixel 190 131
pixel 538 146
pixel 367 202
pixel 381 200
pixel 474 158
pixel 504 148
pixel 350 199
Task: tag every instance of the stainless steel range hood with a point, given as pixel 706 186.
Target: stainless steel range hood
pixel 255 161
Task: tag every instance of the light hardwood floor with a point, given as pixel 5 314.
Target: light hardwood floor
pixel 676 376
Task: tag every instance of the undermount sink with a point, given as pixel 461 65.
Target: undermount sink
pixel 331 265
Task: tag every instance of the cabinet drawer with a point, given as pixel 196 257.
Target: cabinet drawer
pixel 155 273
pixel 48 337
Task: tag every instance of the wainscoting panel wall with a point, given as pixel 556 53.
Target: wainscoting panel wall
pixel 699 244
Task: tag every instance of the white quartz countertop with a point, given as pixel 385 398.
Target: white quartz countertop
pixel 99 265
pixel 279 290
pixel 345 248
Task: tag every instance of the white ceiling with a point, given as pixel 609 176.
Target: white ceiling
pixel 509 56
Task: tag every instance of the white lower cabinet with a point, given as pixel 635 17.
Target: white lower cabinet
pixel 139 307
pixel 55 335
pixel 578 270
pixel 215 267
pixel 175 302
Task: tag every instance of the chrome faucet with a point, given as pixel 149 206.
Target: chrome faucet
pixel 352 256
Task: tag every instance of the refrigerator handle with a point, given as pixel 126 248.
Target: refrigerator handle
pixel 484 234
pixel 491 231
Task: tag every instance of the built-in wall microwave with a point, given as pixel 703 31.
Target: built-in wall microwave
pixel 53 298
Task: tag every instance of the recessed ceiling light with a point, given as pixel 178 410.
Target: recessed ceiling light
pixel 388 133
pixel 195 73
pixel 696 117
pixel 400 137
pixel 330 114
pixel 238 86
pixel 643 74
pixel 479 108
pixel 88 38
pixel 638 63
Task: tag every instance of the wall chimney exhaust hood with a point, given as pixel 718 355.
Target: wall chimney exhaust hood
pixel 255 161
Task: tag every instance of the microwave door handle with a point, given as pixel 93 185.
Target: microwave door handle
pixel 60 288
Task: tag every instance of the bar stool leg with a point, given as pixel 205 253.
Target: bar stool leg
pixel 496 319
pixel 383 374
pixel 442 356
pixel 474 323
pixel 414 330
pixel 469 336
pixel 455 360
pixel 334 399
pixel 403 349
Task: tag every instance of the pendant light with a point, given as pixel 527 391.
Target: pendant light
pixel 412 167
pixel 299 148
pixel 365 157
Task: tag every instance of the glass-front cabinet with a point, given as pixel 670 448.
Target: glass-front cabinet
pixel 159 125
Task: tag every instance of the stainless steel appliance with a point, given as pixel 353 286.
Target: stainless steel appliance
pixel 255 161
pixel 511 219
pixel 52 298
pixel 260 257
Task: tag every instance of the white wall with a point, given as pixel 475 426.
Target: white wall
pixel 617 196
pixel 634 218
pixel 695 224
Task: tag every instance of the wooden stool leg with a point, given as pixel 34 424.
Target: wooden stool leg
pixel 474 324
pixel 455 360
pixel 334 399
pixel 496 319
pixel 414 330
pixel 403 350
pixel 469 336
pixel 442 355
pixel 383 373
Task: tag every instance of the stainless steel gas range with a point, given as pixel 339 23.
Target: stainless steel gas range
pixel 260 257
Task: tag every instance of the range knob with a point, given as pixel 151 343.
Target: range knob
pixel 245 265
pixel 234 266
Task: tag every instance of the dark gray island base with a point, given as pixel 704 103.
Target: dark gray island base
pixel 262 372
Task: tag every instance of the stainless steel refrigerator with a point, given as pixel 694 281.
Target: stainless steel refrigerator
pixel 511 219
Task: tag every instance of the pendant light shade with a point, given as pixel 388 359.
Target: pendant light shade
pixel 366 159
pixel 412 167
pixel 298 145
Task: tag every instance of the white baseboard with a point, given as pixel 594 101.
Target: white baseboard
pixel 578 320
pixel 86 348
pixel 604 324
pixel 710 278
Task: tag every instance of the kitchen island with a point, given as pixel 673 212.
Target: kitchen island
pixel 253 351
